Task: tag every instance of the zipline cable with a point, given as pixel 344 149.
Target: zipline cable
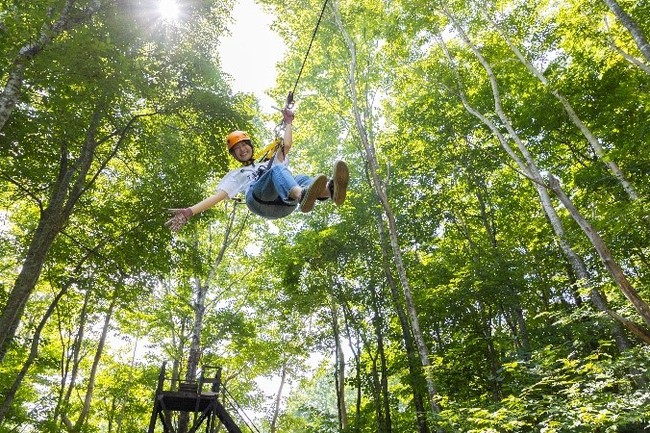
pixel 313 36
pixel 273 147
pixel 249 423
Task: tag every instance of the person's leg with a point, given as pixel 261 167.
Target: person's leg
pixel 276 194
pixel 312 192
pixel 303 180
pixel 291 189
pixel 277 188
pixel 338 185
pixel 276 185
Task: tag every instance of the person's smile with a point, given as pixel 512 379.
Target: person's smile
pixel 243 151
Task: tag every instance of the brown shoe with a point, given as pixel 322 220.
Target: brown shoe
pixel 311 193
pixel 339 182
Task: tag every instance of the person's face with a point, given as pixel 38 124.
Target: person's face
pixel 242 151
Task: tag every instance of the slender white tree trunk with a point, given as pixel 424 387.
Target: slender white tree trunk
pixel 627 56
pixel 529 169
pixel 200 295
pixel 594 142
pixel 85 409
pixel 631 25
pixel 12 89
pixel 379 188
pixel 278 399
pixel 605 255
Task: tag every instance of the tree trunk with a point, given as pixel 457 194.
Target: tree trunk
pixel 357 363
pixel 85 409
pixel 520 330
pixel 354 345
pixel 111 415
pixel 74 358
pixel 605 255
pixel 531 171
pixel 123 398
pixel 375 390
pixel 71 183
pixel 631 26
pixel 198 307
pixel 339 369
pixel 415 377
pixel 378 186
pixel 524 341
pixel 594 142
pixel 374 382
pixel 378 324
pixel 278 399
pixel 49 226
pixel 33 354
pixel 491 352
pixel 177 342
pixel 11 92
pixel 630 58
pixel 200 294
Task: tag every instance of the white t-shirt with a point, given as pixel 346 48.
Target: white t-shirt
pixel 238 180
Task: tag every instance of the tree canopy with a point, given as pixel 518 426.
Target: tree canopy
pixel 489 271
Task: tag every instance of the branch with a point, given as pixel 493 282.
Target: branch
pixel 27 192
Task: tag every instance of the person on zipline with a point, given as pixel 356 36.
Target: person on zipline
pixel 270 192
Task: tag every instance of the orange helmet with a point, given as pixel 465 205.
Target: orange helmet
pixel 235 137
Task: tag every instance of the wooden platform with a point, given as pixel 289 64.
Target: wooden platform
pixel 191 398
pixel 185 401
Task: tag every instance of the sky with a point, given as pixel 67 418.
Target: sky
pixel 251 52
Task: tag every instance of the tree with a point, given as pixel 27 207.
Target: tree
pixel 377 183
pixel 631 25
pixel 62 178
pixel 68 18
pixel 529 167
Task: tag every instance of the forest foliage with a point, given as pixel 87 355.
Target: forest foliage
pixel 489 271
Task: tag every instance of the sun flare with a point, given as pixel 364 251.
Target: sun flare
pixel 168 10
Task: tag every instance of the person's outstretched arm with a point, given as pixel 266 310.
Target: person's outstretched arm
pixel 182 216
pixel 288 116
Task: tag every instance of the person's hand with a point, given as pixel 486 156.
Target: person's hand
pixel 287 115
pixel 180 218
